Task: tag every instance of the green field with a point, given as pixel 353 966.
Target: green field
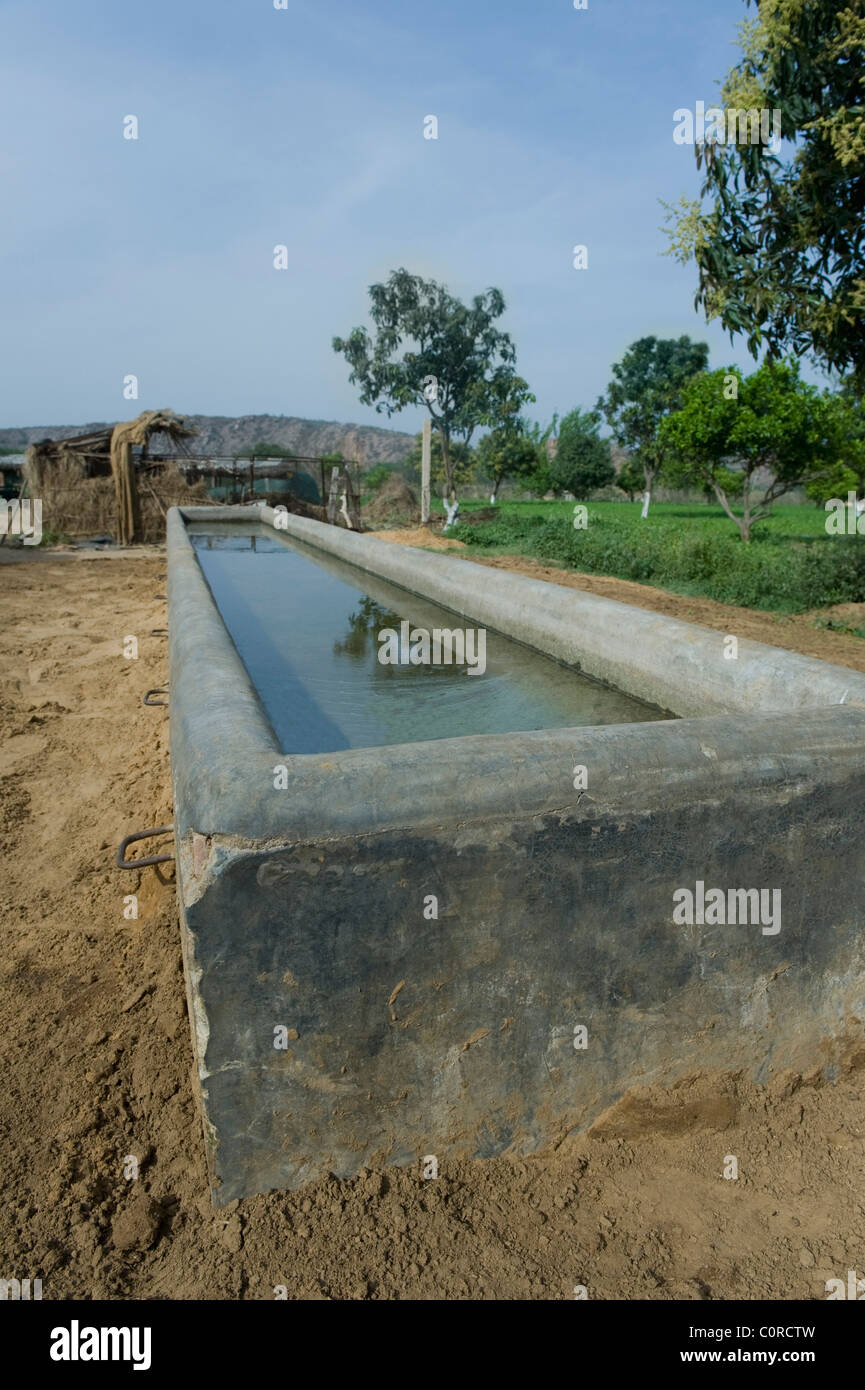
pixel 804 522
pixel 790 565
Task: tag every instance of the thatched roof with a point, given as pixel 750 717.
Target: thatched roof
pixel 93 451
pixel 139 430
pixel 90 451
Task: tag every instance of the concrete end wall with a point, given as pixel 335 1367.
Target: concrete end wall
pixel 429 923
pixel 453 1034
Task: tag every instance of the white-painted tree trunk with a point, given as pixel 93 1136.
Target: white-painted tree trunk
pixel 647 497
pixel 343 510
pixel 426 447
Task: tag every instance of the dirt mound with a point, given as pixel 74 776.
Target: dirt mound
pixel 394 501
pixel 426 537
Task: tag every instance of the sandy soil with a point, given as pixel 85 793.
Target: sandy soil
pixel 98 1059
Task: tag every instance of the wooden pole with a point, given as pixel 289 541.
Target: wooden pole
pixel 425 471
pixel 128 519
pixel 334 495
pixel 156 498
pixel 354 497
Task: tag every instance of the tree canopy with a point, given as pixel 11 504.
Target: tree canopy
pixel 431 350
pixel 646 386
pixel 779 243
pixel 847 474
pixel 630 477
pixel 731 427
pixel 507 452
pixel 462 463
pixel 582 462
pixel 261 449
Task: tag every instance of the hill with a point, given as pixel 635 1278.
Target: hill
pixel 227 434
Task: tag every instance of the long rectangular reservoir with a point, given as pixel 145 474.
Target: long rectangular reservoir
pixel 326 649
pixel 465 942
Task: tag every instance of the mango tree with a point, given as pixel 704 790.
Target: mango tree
pixel 731 429
pixel 582 461
pixel 506 452
pixel 431 350
pixel 776 234
pixel 646 386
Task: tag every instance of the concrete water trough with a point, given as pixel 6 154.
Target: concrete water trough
pixel 472 946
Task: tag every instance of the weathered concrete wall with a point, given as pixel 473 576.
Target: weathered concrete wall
pixel 409 1033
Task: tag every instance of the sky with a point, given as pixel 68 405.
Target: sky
pixel 304 127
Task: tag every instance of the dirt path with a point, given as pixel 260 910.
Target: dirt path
pixel 97 1063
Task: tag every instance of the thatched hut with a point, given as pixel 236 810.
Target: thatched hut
pixel 72 478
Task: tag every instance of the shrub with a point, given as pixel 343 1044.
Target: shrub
pixel 769 573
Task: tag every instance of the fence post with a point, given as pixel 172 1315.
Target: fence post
pixel 332 499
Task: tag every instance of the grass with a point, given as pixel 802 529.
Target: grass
pixel 795 522
pixel 831 625
pixel 791 564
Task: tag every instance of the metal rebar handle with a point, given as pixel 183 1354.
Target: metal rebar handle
pixel 124 863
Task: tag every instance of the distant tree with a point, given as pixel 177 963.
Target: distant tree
pixel 262 450
pixel 462 463
pixel 327 463
pixel 646 387
pixel 433 351
pixel 773 422
pixel 631 477
pixel 538 480
pixel 377 475
pixel 582 461
pixel 847 474
pixel 779 247
pixel 506 452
